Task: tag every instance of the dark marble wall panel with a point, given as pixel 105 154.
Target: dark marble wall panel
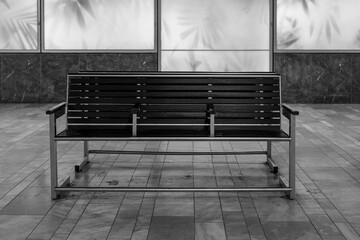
pixel 104 62
pixel 356 79
pixel 54 68
pixel 118 62
pixel 21 78
pixel 317 78
pixel 41 77
pixel 306 77
pixel 1 79
pixel 144 62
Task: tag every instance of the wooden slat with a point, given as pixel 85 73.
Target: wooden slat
pixel 246 128
pixel 206 87
pixel 173 114
pixel 247 115
pixel 102 107
pixel 246 121
pixel 100 120
pixel 175 107
pixel 172 80
pixel 100 114
pixel 174 101
pixel 245 107
pixel 177 94
pixel 189 121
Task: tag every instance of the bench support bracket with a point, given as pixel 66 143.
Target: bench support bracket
pixel 273 167
pixel 80 167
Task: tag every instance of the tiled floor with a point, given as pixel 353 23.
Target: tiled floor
pixel 327 204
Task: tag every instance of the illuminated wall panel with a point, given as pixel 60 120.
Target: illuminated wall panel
pixel 215 35
pixel 99 25
pixel 318 25
pixel 18 25
pixel 219 61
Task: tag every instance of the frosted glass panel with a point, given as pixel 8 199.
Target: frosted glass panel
pixel 216 61
pixel 318 24
pixel 215 24
pixel 18 25
pixel 99 24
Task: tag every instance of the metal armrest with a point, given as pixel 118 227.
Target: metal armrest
pixel 58 110
pixel 291 116
pixel 288 111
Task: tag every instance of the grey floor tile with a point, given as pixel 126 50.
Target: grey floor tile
pixel 175 228
pixel 32 201
pixel 17 226
pixel 286 230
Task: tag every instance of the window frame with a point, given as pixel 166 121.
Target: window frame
pixel 39 23
pixel 324 51
pixel 271 51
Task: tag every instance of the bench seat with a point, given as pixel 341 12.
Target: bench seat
pixel 181 135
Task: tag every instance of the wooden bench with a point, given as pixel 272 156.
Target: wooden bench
pixel 173 107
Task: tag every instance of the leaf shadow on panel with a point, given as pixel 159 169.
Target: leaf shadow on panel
pixel 18 25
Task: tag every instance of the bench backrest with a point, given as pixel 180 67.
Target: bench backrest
pixel 241 101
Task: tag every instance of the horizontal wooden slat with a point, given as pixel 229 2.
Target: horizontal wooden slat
pixel 206 87
pixel 245 107
pixel 189 121
pixel 100 114
pixel 100 120
pixel 89 129
pixel 172 80
pixel 174 101
pixel 173 114
pixel 169 94
pixel 175 107
pixel 247 115
pixel 101 107
pixel 246 121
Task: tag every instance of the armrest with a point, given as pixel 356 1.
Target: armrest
pixel 57 108
pixel 287 110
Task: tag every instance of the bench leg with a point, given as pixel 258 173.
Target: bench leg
pixel 270 161
pixel 53 157
pixel 292 162
pixel 79 168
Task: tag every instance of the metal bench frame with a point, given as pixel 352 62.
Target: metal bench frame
pixel 284 186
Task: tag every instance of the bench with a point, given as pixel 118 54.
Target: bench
pixel 172 107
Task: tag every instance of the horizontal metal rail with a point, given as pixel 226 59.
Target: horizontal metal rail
pixel 176 124
pixel 131 189
pixel 70 138
pixel 174 74
pixel 175 153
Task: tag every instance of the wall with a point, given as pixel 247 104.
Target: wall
pixel 41 78
pixel 319 78
pixel 306 78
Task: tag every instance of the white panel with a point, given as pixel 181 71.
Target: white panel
pixel 18 25
pixel 318 25
pixel 215 24
pixel 216 61
pixel 99 24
